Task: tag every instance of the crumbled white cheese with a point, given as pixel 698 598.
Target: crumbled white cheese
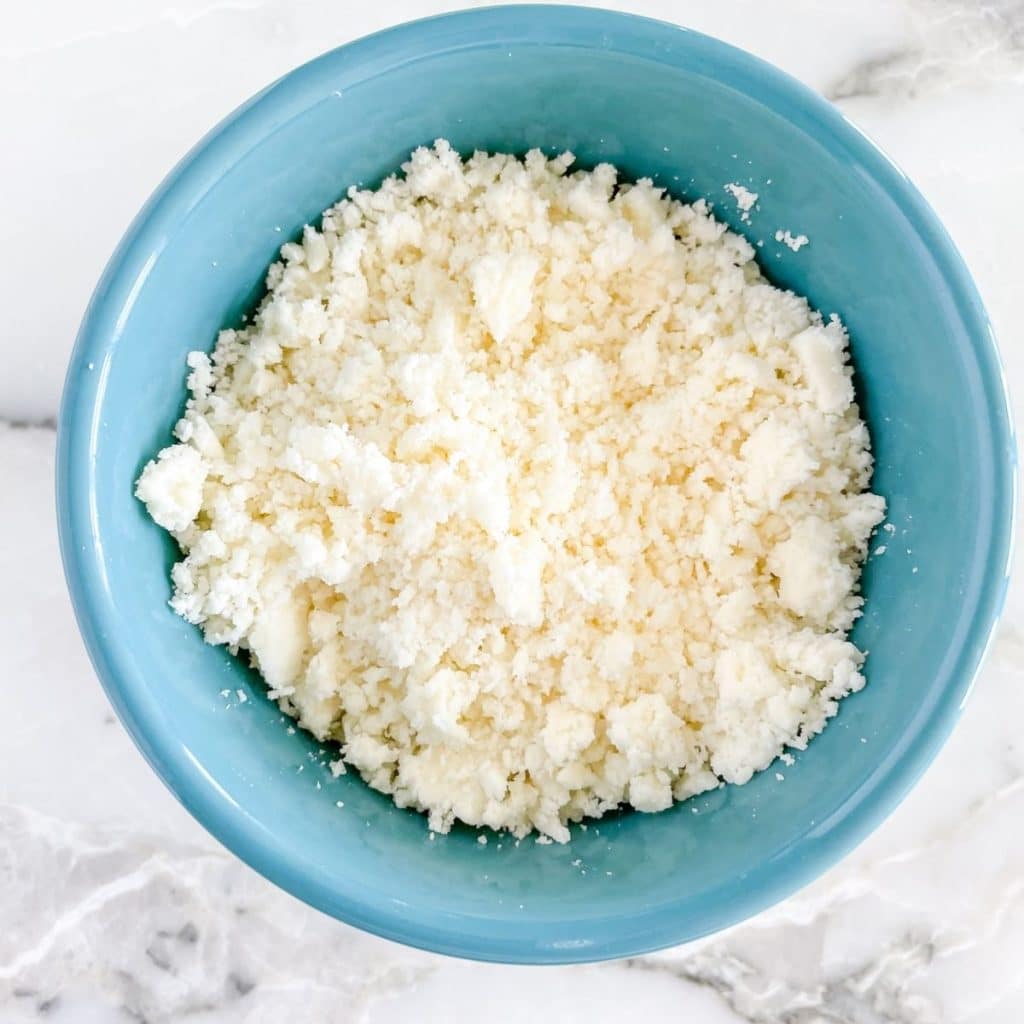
pixel 795 242
pixel 172 487
pixel 527 487
pixel 745 199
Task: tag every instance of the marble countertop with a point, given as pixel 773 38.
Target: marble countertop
pixel 116 907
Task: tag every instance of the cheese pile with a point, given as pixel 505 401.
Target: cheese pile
pixel 528 489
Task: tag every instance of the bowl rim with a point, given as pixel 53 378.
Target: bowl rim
pixel 78 433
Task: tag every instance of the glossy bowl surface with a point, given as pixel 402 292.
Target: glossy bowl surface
pixel 694 114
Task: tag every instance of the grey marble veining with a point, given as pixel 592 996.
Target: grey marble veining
pixel 950 45
pixel 39 423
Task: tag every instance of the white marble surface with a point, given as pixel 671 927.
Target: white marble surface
pixel 116 907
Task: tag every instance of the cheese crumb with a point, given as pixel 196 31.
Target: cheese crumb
pixel 172 487
pixel 795 242
pixel 745 199
pixel 528 489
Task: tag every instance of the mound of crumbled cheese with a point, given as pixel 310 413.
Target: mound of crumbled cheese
pixel 529 490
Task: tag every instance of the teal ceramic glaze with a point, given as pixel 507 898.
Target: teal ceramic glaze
pixel 693 114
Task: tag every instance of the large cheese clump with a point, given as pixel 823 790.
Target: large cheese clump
pixel 528 489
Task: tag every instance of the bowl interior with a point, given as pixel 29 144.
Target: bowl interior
pixel 694 115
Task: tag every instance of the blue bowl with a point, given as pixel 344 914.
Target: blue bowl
pixel 694 114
